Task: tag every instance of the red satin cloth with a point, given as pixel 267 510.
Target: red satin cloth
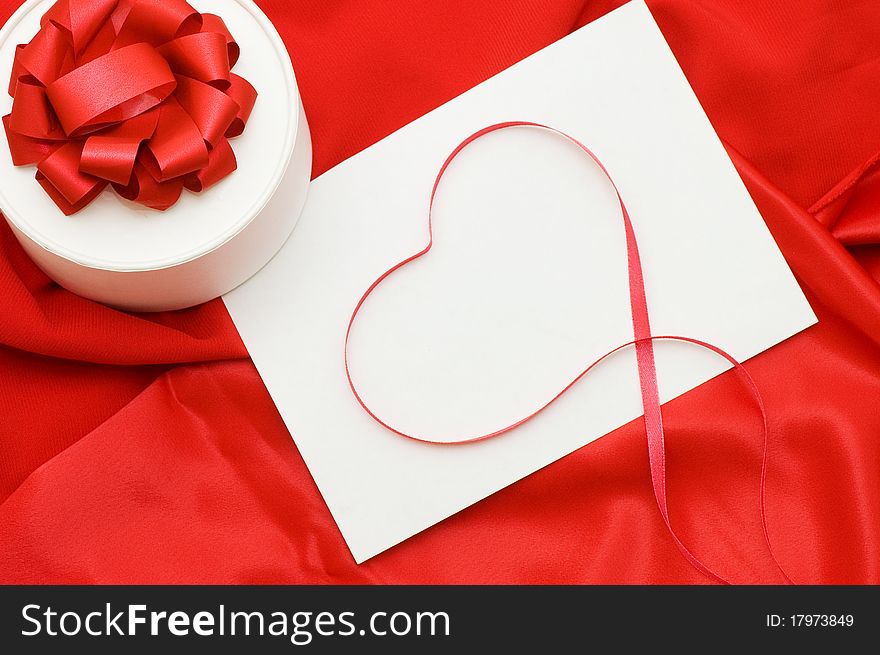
pixel 145 448
pixel 134 93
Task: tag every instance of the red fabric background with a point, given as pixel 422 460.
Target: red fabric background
pixel 146 449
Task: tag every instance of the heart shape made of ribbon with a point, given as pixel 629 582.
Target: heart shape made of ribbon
pixel 643 342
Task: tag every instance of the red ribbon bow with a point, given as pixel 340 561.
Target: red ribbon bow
pixel 133 93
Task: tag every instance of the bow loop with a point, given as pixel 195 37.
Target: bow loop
pixel 245 95
pixel 87 17
pixel 32 115
pixel 203 56
pixel 213 111
pixel 111 89
pixel 213 23
pixel 157 21
pixel 48 56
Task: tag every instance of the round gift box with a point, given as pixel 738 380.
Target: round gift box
pixel 135 258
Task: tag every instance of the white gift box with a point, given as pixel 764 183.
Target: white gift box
pixel 132 257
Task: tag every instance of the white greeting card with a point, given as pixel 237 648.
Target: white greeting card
pixel 525 286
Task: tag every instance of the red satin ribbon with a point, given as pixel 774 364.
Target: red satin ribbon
pixel 134 93
pixel 643 342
